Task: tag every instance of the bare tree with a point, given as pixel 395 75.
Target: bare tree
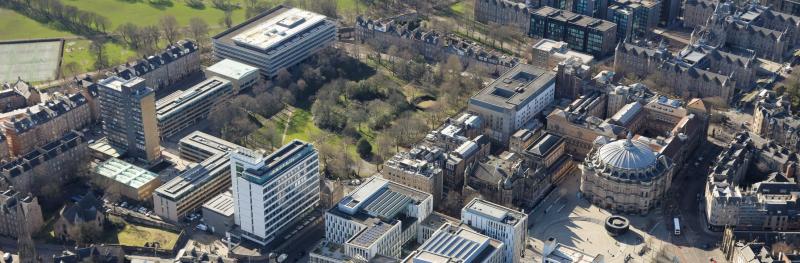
pixel 198 29
pixel 99 51
pixel 170 27
pixel 227 19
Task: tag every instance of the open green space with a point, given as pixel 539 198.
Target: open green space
pixel 16 26
pixel 142 13
pixel 78 51
pixel 138 235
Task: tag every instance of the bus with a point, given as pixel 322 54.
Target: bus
pixel 677 226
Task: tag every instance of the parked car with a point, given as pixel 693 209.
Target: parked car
pixel 202 227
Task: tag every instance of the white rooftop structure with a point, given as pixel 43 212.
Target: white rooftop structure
pixel 278 28
pixel 125 173
pixel 555 252
pixel 561 50
pixel 232 69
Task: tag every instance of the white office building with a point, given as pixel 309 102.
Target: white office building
pixel 499 222
pixel 456 243
pixel 276 39
pixel 512 100
pixel 377 218
pixel 273 192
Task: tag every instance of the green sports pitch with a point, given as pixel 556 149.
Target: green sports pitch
pixel 30 60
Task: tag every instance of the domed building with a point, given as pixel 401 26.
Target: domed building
pixel 625 176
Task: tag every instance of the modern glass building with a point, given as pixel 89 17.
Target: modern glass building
pixel 277 39
pixel 272 192
pixel 582 33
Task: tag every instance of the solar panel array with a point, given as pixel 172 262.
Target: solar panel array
pixel 388 204
pixel 452 246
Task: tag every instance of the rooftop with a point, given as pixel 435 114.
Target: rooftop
pixel 208 143
pixel 135 86
pixel 232 69
pixel 627 154
pixel 516 87
pixel 544 144
pixel 374 231
pixel 277 162
pixel 559 253
pixel 460 244
pixel 179 100
pixel 267 32
pixel 221 204
pixel 377 197
pixel 494 212
pixel 125 173
pixel 195 177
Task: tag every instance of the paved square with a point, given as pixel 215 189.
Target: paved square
pixel 35 60
pixel 574 222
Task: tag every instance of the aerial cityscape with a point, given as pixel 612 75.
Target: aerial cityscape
pixel 410 131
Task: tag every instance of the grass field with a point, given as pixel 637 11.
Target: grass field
pixel 138 235
pixel 16 26
pixel 78 51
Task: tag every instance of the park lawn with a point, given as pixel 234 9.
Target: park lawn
pixel 302 127
pixel 138 235
pixel 14 25
pixel 142 13
pixel 459 8
pixel 78 51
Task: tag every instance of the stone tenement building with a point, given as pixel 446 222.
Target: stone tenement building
pixel 463 145
pixel 693 72
pixel 503 13
pixel 16 209
pixel 165 68
pixel 773 120
pixel 46 122
pixel 770 204
pixel 420 169
pixel 791 7
pixel 52 163
pixel 406 29
pixel 769 34
pixel 18 95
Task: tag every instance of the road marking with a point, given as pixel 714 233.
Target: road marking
pixel 654 227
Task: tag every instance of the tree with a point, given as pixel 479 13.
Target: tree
pixel 198 29
pixel 150 35
pixel 85 233
pixel 227 19
pixel 364 148
pixel 196 4
pixel 130 33
pixel 72 68
pixel 170 27
pixel 99 51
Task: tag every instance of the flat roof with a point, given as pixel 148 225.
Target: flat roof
pixel 516 87
pixel 102 146
pixel 221 204
pixel 461 243
pixel 277 28
pixel 271 29
pixel 378 197
pixel 374 231
pixel 195 177
pixel 573 18
pixel 179 100
pixel 125 173
pixel 206 142
pixel 135 86
pixel 494 211
pixel 280 160
pixel 232 69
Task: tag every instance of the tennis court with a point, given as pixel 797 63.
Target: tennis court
pixel 31 60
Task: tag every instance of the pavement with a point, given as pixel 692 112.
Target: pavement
pixel 575 222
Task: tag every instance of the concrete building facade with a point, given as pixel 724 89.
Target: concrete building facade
pixel 512 100
pixel 128 110
pixel 271 192
pixel 276 39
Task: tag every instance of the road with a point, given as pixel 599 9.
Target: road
pixel 696 243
